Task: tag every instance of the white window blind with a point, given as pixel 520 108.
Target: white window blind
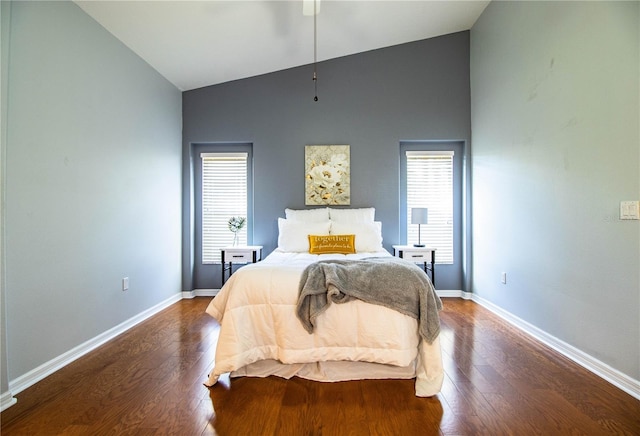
pixel 224 195
pixel 430 185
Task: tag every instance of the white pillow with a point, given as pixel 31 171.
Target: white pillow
pixel 365 214
pixel 308 215
pixel 293 235
pixel 368 235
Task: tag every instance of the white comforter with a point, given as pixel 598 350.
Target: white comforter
pixel 256 312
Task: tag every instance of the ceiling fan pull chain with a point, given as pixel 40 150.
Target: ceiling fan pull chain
pixel 315 52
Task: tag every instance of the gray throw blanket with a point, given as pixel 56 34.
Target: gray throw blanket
pixel 386 281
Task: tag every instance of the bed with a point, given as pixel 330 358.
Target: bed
pixel 262 332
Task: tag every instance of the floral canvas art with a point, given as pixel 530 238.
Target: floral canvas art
pixel 327 175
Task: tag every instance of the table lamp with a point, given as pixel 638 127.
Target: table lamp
pixel 419 215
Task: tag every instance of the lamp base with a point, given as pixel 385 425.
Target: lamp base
pixel 418 245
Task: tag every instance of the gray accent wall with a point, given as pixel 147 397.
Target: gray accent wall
pixel 92 184
pixel 372 101
pixel 555 117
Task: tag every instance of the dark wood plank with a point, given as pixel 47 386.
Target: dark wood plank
pixel 148 381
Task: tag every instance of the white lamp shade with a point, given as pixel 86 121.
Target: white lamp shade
pixel 419 215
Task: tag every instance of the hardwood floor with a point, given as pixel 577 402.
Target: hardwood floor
pixel 148 381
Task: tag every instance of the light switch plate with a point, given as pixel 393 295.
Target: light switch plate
pixel 629 210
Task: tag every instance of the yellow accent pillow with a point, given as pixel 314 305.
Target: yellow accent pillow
pixel 324 244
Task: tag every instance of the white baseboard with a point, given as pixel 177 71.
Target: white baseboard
pixel 7 400
pixel 32 377
pixel 200 293
pixel 205 292
pixel 599 368
pixel 449 293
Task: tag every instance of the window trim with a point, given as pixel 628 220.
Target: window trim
pixel 439 147
pixel 210 249
pixel 440 218
pixel 217 148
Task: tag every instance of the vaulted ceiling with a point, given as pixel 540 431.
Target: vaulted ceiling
pixel 200 43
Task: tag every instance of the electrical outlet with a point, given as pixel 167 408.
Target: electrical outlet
pixel 503 278
pixel 125 284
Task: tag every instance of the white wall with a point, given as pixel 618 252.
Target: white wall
pixel 93 174
pixel 555 148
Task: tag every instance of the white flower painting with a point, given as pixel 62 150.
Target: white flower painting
pixel 327 179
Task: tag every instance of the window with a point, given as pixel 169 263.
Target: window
pixel 224 195
pixel 430 185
